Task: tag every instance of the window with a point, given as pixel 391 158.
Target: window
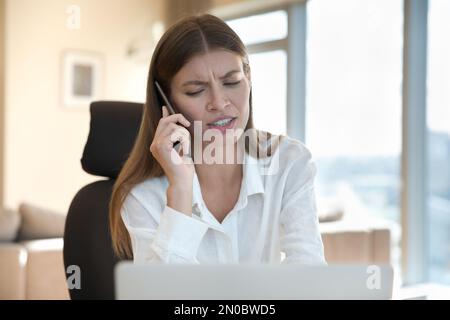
pixel 438 123
pixel 268 61
pixel 354 102
pixel 269 93
pixel 261 28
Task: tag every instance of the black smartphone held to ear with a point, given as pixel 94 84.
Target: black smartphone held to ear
pixel 166 101
pixel 169 108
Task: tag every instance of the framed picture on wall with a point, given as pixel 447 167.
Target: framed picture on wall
pixel 82 78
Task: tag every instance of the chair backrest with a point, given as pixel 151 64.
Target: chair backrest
pixel 87 241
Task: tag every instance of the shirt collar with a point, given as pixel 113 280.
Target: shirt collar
pixel 252 179
pixel 252 183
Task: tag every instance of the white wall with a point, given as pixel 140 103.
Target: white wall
pixel 2 97
pixel 44 141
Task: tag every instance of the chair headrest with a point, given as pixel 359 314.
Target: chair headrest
pixel 113 130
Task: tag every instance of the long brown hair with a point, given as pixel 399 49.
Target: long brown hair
pixel 189 36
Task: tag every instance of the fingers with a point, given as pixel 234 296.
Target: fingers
pixel 180 134
pixel 165 112
pixel 169 131
pixel 167 121
pixel 186 147
pixel 178 117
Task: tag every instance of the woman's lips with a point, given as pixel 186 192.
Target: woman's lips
pixel 223 129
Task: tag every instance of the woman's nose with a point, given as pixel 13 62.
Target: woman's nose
pixel 218 100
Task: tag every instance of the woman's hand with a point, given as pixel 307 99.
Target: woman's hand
pixel 178 166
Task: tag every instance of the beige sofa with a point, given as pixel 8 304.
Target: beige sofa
pixel 34 269
pixel 357 243
pixel 31 259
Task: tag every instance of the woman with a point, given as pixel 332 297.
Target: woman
pixel 169 208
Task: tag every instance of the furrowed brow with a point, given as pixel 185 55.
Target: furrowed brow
pixel 199 82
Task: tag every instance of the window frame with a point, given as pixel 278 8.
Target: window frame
pixel 414 147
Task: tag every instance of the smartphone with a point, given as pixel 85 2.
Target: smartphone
pixel 166 101
pixel 170 108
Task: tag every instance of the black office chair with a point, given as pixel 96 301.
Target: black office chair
pixel 87 242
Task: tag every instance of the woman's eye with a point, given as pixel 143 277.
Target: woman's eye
pixel 232 83
pixel 193 93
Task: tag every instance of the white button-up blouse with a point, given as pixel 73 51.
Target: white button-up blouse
pixel 274 217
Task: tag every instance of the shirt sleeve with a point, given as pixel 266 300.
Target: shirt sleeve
pixel 175 239
pixel 301 240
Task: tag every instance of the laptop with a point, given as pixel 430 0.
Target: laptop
pixel 251 281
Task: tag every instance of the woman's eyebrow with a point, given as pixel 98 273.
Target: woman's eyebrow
pixel 198 82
